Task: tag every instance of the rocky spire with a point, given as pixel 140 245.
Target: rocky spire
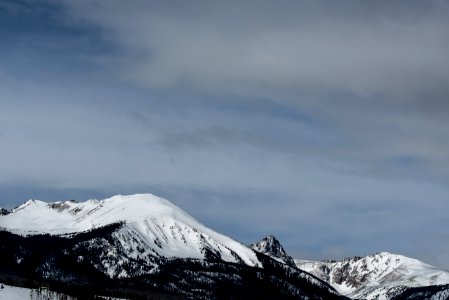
pixel 273 248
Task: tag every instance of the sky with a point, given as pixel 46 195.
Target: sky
pixel 324 123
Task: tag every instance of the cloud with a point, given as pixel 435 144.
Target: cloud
pixel 279 48
pixel 320 122
pixel 374 76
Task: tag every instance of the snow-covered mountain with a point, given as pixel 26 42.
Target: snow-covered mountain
pixel 378 276
pixel 273 248
pixel 145 246
pixel 139 246
pixel 152 226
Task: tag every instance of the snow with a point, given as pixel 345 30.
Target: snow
pixel 375 276
pixel 14 293
pixel 442 295
pixel 18 293
pixel 150 221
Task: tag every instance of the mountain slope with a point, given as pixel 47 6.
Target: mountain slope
pixel 152 224
pixel 436 292
pixel 378 276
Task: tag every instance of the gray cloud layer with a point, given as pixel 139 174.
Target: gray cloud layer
pixel 265 46
pixel 378 71
pixel 324 123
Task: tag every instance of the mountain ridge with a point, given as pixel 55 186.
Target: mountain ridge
pixel 142 244
pixel 381 275
pixel 377 275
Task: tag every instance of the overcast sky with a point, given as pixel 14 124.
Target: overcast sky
pixel 324 123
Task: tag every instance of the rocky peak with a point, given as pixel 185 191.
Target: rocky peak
pixel 271 246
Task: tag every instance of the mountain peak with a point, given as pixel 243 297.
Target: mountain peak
pixel 271 246
pixel 148 223
pixel 62 217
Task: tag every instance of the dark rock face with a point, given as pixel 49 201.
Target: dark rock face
pixel 348 275
pixel 272 247
pixel 3 211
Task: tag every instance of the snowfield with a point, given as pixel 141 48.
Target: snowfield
pixel 17 293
